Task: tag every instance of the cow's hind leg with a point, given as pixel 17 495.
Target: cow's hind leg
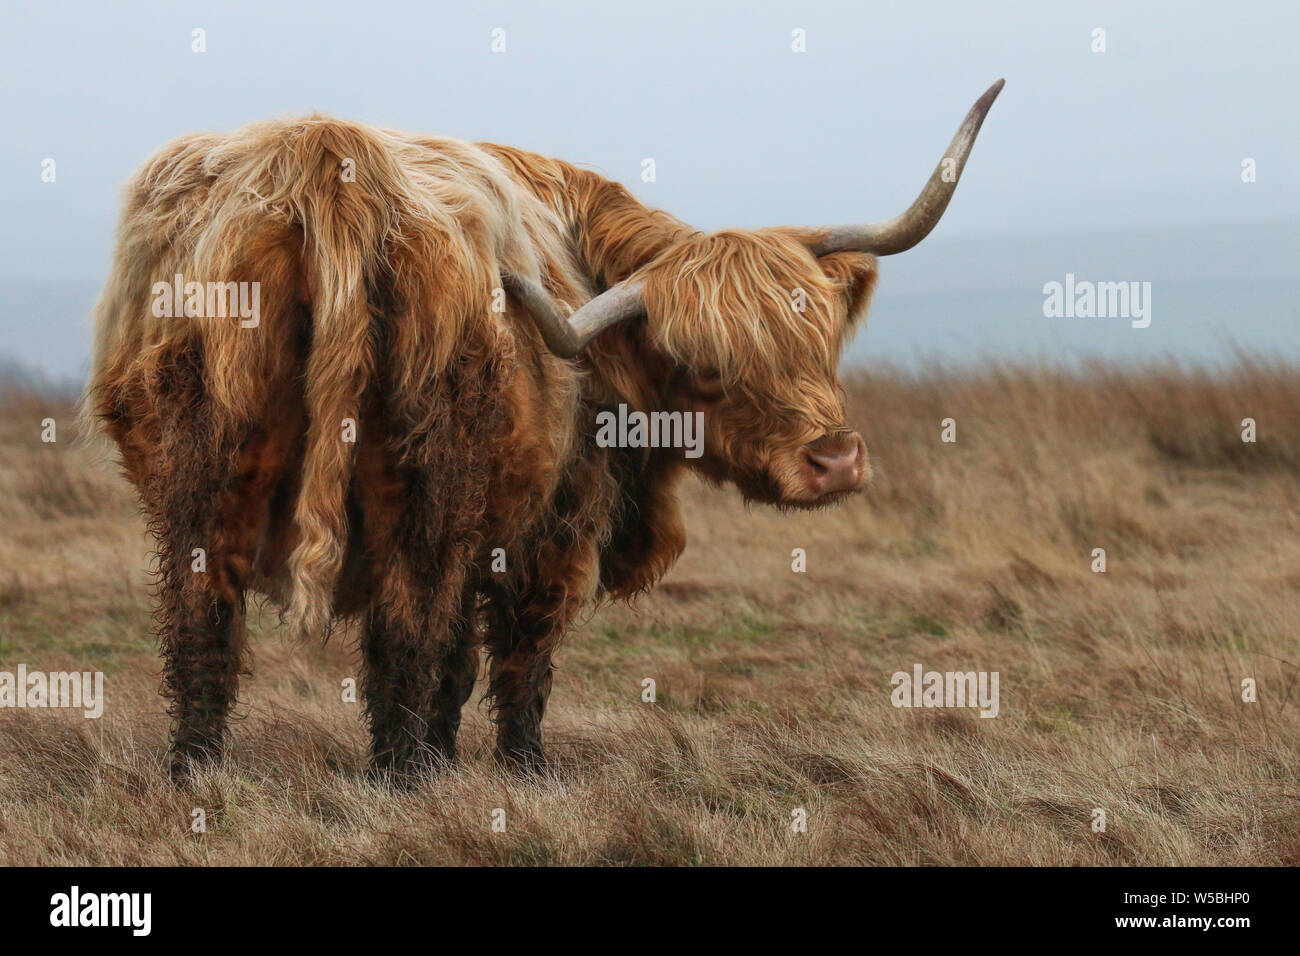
pixel 456 682
pixel 201 646
pixel 418 644
pixel 419 671
pixel 205 496
pixel 422 477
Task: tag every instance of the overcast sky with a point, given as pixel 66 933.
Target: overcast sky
pixel 743 130
pixel 1117 165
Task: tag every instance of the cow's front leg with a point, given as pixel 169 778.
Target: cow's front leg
pixel 526 622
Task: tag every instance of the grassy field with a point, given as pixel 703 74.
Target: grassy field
pixel 1119 690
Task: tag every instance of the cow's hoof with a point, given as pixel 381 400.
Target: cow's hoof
pixel 184 764
pixel 410 773
pixel 525 761
pixel 181 771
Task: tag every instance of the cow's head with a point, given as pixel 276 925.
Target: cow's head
pixel 754 322
pixel 754 325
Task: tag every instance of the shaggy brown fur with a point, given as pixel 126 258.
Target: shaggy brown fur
pixel 377 297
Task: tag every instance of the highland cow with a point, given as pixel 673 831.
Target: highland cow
pixel 404 434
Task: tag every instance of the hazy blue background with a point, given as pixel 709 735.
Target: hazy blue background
pixel 1114 166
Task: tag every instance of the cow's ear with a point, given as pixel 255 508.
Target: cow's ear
pixel 855 274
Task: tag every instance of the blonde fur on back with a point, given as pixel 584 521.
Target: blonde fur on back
pixel 324 213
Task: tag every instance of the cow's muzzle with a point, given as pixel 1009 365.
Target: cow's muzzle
pixel 835 464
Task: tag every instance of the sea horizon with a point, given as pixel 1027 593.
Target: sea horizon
pixel 1216 291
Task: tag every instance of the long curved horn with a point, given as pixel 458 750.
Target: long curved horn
pixel 567 335
pixel 903 232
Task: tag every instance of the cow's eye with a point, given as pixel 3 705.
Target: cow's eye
pixel 708 384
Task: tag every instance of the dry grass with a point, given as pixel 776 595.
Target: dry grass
pixel 1118 690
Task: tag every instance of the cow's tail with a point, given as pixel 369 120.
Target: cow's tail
pixel 344 231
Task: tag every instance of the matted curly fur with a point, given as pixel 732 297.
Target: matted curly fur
pixel 381 305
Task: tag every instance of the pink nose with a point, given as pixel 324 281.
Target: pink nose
pixel 833 464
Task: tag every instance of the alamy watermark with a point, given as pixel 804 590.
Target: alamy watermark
pixel 1084 299
pixel 208 300
pixel 25 688
pixel 637 429
pixel 75 908
pixel 923 688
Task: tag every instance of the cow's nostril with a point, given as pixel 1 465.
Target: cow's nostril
pixel 832 461
pixel 813 462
